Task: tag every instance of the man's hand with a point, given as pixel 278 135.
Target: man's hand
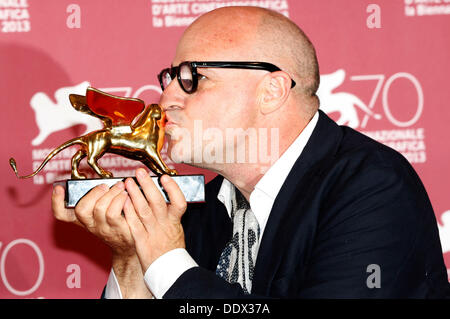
pixel 154 224
pixel 100 212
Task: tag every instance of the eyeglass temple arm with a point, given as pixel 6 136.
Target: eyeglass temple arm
pixel 242 65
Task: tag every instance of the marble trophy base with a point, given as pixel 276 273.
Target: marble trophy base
pixel 192 186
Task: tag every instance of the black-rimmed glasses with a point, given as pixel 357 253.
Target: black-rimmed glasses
pixel 187 75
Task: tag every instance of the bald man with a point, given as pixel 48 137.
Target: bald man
pixel 333 215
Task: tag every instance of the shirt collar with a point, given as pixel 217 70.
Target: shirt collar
pixel 274 178
pixel 268 187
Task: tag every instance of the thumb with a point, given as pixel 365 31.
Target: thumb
pixel 59 209
pixel 177 205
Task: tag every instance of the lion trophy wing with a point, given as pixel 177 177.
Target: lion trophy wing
pixel 112 110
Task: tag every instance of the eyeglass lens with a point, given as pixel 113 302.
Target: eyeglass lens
pixel 184 72
pixel 166 78
pixel 186 77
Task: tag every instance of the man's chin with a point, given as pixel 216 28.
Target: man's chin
pixel 173 130
pixel 175 152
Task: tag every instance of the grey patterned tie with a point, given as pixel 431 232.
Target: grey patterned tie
pixel 237 261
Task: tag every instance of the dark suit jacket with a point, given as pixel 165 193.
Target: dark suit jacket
pixel 348 202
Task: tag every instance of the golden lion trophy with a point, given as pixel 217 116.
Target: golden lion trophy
pixel 129 129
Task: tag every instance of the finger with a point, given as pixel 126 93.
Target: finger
pixel 178 204
pixel 114 213
pixel 59 208
pixel 84 210
pixel 134 222
pixel 102 205
pixel 152 193
pixel 139 203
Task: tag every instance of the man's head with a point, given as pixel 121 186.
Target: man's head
pixel 242 98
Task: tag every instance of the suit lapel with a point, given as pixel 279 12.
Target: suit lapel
pixel 285 216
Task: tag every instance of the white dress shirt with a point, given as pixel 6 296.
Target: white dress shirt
pixel 165 270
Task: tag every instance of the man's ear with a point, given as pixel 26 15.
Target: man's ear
pixel 275 88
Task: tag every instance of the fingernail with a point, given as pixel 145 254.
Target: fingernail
pixel 165 178
pixel 120 185
pixel 141 172
pixel 104 187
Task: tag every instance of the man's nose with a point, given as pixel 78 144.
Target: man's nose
pixel 174 84
pixel 173 94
